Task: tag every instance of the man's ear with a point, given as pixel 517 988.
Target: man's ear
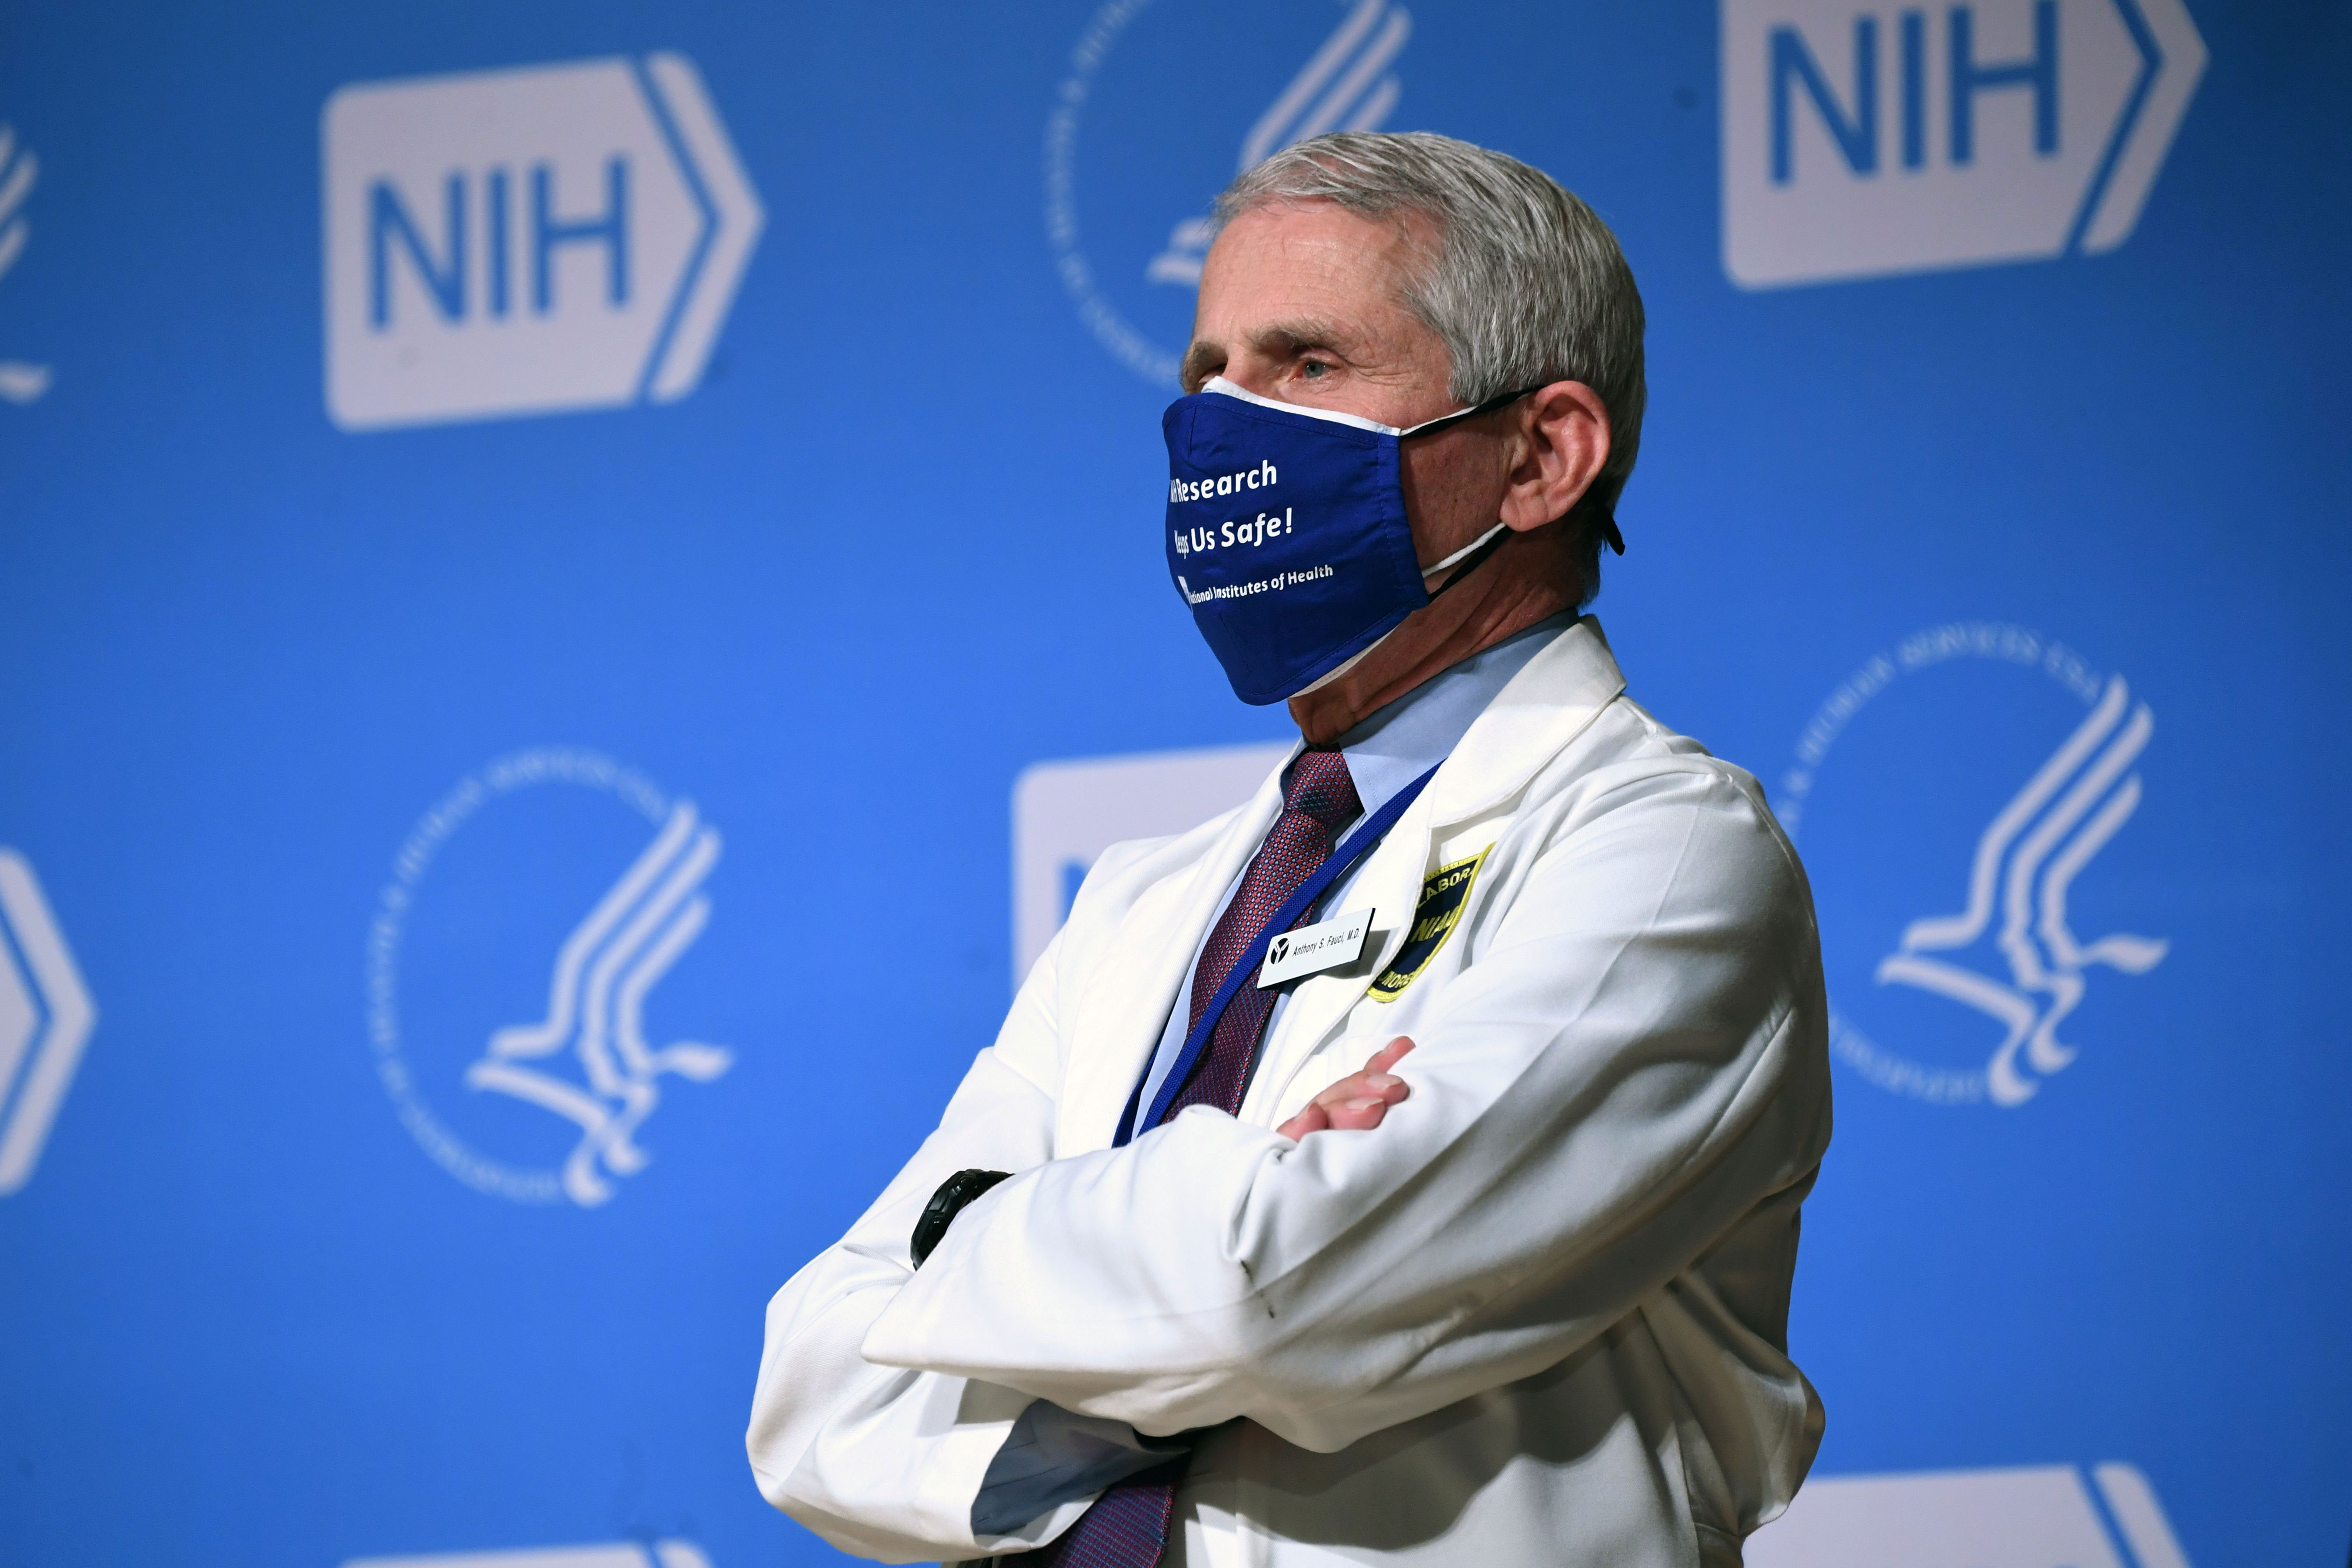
pixel 1564 432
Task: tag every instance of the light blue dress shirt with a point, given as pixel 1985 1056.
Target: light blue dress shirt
pixel 1051 1455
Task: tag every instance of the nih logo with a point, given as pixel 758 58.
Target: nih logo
pixel 530 241
pixel 603 1554
pixel 1066 811
pixel 1860 139
pixel 2037 1516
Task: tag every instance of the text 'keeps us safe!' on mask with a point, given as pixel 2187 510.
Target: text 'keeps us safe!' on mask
pixel 1287 534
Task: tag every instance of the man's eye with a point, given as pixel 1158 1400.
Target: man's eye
pixel 1314 370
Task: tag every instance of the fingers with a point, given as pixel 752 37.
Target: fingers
pixel 1358 1102
pixel 1342 1114
pixel 1358 1086
pixel 1357 1115
pixel 1314 1118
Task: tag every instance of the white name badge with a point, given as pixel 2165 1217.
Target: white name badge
pixel 1311 949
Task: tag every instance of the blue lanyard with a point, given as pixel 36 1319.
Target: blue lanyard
pixel 1354 847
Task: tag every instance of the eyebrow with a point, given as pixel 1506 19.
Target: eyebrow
pixel 1197 360
pixel 1286 338
pixel 1277 340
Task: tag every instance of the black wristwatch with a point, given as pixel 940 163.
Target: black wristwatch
pixel 950 1201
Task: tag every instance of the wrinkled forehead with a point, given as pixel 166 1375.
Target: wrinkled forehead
pixel 1287 276
pixel 1321 250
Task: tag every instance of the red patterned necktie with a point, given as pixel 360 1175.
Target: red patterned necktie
pixel 1128 1525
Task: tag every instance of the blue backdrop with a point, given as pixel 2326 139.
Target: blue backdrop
pixel 356 662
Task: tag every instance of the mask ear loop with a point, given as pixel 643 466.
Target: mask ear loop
pixel 1472 558
pixel 1469 560
pixel 1473 555
pixel 1431 426
pixel 1476 555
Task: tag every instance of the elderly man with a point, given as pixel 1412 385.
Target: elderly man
pixel 1405 1165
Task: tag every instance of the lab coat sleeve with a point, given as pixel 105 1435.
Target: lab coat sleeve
pixel 1631 1061
pixel 882 1461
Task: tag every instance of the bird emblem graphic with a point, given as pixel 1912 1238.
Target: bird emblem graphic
pixel 1345 85
pixel 19 381
pixel 2025 864
pixel 596 1004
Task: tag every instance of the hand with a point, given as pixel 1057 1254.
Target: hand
pixel 1357 1102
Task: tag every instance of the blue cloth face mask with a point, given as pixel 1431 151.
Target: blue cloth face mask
pixel 1287 534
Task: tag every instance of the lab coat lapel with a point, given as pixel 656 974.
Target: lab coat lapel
pixel 1118 1019
pixel 1545 706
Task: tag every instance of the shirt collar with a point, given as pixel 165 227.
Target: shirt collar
pixel 1396 744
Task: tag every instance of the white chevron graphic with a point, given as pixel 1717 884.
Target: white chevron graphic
pixel 2025 864
pixel 1344 86
pixel 595 1004
pixel 19 381
pixel 46 1018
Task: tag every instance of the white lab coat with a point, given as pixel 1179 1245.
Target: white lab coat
pixel 1538 1316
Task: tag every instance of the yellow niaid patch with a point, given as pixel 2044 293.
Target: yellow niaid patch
pixel 1443 896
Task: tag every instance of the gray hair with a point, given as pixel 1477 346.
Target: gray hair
pixel 1527 285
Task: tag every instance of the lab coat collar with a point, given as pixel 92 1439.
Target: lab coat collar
pixel 1545 706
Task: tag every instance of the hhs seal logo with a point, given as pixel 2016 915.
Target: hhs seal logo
pixel 578 1080
pixel 20 380
pixel 1129 221
pixel 1988 939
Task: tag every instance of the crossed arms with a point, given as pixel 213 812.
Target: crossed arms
pixel 1623 1071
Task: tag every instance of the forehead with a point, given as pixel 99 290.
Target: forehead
pixel 1308 261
